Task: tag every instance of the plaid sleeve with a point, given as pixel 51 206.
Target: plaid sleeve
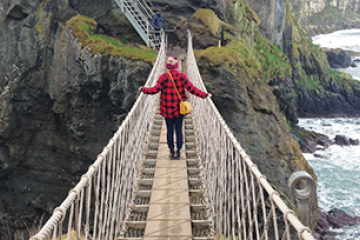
pixel 157 88
pixel 192 89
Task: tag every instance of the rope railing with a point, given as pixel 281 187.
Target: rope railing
pixel 95 207
pixel 245 204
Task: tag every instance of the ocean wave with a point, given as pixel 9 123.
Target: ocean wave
pixel 344 39
pixel 338 172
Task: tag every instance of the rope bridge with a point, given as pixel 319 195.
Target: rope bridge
pixel 242 202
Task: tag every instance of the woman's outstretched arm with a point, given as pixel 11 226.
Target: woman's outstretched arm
pixel 153 90
pixel 194 90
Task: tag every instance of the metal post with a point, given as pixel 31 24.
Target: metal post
pixel 122 5
pixel 166 42
pixel 147 32
pixel 303 188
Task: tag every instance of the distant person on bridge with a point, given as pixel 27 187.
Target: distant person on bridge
pixel 169 102
pixel 158 23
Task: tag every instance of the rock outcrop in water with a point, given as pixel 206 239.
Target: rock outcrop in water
pixel 334 219
pixel 310 141
pixel 339 60
pixel 344 141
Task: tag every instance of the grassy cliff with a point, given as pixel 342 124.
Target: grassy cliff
pixel 84 27
pixel 251 82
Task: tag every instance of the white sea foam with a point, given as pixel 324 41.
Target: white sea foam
pixel 338 170
pixel 346 40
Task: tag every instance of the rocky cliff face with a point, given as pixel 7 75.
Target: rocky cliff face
pixel 319 16
pixel 272 18
pixel 313 7
pixel 328 16
pixel 60 104
pixel 319 91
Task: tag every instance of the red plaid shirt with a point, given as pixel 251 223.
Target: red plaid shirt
pixel 169 100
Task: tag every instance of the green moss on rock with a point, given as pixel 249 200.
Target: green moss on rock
pixel 234 55
pixel 272 60
pixel 44 20
pixel 212 21
pixel 83 28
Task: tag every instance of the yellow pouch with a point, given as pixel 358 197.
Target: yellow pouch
pixel 185 107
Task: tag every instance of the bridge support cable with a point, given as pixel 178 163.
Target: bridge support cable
pixel 245 204
pixel 96 206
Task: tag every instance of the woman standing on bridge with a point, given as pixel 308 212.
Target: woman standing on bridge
pixel 169 102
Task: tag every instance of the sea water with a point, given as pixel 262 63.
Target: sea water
pixel 348 40
pixel 338 167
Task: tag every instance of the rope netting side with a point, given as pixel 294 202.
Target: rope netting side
pixel 245 204
pixel 95 207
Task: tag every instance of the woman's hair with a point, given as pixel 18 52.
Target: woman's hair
pixel 171 61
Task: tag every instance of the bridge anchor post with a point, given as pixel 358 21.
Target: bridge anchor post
pixel 303 188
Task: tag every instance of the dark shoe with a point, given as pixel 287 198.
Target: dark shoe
pixel 172 153
pixel 178 154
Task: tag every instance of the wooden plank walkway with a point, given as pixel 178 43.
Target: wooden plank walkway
pixel 169 208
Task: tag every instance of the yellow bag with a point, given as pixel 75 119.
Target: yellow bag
pixel 185 106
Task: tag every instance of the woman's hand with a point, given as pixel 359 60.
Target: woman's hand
pixel 209 95
pixel 140 89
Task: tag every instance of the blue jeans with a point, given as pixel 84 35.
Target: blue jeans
pixel 157 32
pixel 170 124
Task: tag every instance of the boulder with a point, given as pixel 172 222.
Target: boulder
pixel 339 60
pixel 333 219
pixel 338 219
pixel 310 141
pixel 344 141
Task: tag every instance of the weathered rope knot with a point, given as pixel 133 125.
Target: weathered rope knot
pixel 77 192
pixel 302 230
pixel 95 168
pixel 62 211
pixel 272 195
pixel 262 177
pixel 254 166
pixel 112 140
pixel 106 147
pixel 116 135
pixel 287 213
pixel 102 156
pixel 88 178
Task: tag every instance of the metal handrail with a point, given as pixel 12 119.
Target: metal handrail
pixel 145 30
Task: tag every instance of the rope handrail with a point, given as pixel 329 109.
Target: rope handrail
pixel 245 204
pixel 235 185
pixel 96 206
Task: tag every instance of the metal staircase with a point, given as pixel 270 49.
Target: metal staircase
pixel 138 12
